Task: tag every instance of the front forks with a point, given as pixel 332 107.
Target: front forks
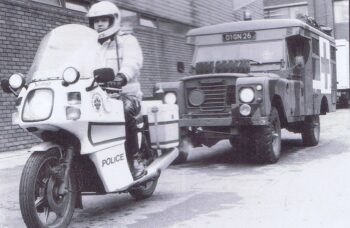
pixel 61 172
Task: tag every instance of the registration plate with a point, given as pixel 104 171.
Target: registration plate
pixel 237 36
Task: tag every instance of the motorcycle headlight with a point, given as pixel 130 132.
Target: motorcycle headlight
pixel 38 105
pixel 169 98
pixel 246 95
pixel 70 75
pixel 16 81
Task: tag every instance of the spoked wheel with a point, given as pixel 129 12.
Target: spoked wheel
pixel 144 190
pixel 40 201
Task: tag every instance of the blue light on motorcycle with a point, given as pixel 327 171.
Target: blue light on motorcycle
pixel 70 75
pixel 73 113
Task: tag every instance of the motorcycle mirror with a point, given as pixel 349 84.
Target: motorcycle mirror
pixel 104 75
pixel 5 85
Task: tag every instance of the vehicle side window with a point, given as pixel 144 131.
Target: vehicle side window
pixel 298 46
pixel 298 51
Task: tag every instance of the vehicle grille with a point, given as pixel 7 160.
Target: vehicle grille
pixel 215 96
pixel 218 96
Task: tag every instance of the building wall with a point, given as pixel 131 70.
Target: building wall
pixel 23 23
pixel 321 10
pixel 254 7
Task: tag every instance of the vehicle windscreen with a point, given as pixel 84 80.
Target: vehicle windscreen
pixel 262 52
pixel 66 46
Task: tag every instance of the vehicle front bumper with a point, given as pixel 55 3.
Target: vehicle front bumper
pixel 226 121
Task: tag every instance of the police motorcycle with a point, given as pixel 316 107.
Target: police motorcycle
pixel 81 124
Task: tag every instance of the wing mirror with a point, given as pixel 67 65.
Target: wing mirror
pixel 104 75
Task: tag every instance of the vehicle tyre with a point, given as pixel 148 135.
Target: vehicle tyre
pixel 266 143
pixel 240 146
pixel 144 190
pixel 40 204
pixel 311 130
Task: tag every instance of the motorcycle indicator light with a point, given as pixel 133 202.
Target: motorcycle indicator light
pixel 16 81
pixel 170 98
pixel 72 113
pixel 70 76
pixel 74 98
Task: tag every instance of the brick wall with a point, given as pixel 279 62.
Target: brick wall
pixel 255 8
pixel 194 12
pixel 22 25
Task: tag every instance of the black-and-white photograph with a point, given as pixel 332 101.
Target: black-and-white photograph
pixel 186 113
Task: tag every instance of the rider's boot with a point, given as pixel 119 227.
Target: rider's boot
pixel 138 168
pixel 136 164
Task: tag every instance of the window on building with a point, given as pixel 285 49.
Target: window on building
pixel 173 27
pixel 341 11
pixel 82 6
pixel 50 2
pixel 129 19
pixel 78 5
pixel 287 11
pixel 148 22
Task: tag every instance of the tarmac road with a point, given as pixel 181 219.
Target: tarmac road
pixel 308 187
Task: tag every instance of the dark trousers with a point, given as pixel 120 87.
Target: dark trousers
pixel 132 108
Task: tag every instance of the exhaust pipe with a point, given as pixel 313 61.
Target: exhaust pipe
pixel 161 163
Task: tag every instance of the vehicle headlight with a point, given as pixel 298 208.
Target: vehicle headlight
pixel 16 81
pixel 38 105
pixel 246 95
pixel 169 98
pixel 196 97
pixel 70 75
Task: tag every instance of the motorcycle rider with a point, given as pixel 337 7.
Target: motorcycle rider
pixel 121 52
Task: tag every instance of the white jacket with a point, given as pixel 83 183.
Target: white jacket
pixel 129 60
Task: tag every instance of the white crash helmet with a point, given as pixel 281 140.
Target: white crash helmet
pixel 105 9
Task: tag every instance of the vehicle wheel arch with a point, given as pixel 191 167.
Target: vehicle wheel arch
pixel 278 104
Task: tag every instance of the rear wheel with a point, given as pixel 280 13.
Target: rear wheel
pixel 41 205
pixel 311 130
pixel 266 143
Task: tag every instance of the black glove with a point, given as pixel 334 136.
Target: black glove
pixel 118 82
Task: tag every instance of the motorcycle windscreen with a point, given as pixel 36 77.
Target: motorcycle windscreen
pixel 66 46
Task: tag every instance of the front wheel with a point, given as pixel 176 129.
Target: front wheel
pixel 144 190
pixel 41 205
pixel 266 146
pixel 311 130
